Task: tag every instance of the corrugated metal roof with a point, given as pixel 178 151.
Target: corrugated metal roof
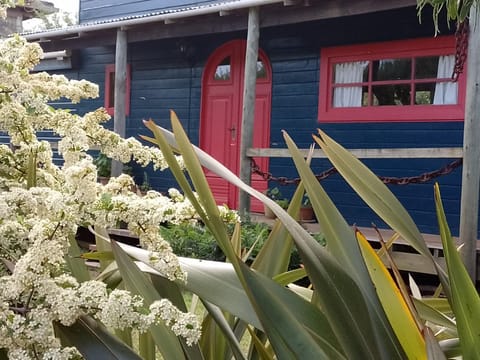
pixel 169 10
pixel 153 7
pixel 190 10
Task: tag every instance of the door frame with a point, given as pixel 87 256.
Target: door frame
pixel 238 72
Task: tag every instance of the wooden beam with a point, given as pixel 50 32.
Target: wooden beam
pixel 407 153
pixel 329 9
pixel 119 115
pixel 290 2
pixel 471 149
pixel 54 64
pixel 248 113
pixel 89 40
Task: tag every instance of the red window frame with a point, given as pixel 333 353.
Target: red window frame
pixel 442 45
pixel 110 89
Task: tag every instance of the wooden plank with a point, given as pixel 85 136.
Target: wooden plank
pixel 329 9
pixel 119 116
pixel 248 111
pixel 407 153
pixel 54 64
pixel 406 259
pixel 100 38
pixel 471 149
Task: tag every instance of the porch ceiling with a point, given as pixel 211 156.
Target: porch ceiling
pixel 214 19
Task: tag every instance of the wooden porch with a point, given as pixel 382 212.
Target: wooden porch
pixel 406 258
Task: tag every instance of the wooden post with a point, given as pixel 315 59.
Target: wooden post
pixel 471 150
pixel 248 113
pixel 119 116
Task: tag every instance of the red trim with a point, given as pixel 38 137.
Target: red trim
pixel 221 53
pixel 110 86
pixel 443 45
pixel 217 121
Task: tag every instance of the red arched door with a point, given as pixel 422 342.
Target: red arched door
pixel 221 116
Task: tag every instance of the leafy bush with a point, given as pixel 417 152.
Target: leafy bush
pixel 276 195
pixel 103 164
pixel 194 241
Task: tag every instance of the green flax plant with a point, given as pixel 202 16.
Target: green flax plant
pixel 355 309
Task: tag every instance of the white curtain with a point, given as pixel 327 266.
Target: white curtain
pixel 445 92
pixel 347 73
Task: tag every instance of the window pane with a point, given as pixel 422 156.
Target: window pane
pixel 347 96
pixel 424 93
pixel 223 70
pixel 365 96
pixel 261 71
pixel 446 93
pixel 111 95
pixel 351 72
pixel 391 95
pixel 426 67
pixel 392 69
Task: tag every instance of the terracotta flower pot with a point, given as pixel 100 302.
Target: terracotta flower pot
pixel 306 214
pixel 269 214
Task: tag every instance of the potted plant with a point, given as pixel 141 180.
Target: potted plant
pixel 104 167
pixel 306 210
pixel 145 185
pixel 276 195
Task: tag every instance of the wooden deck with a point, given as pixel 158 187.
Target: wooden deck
pixel 406 258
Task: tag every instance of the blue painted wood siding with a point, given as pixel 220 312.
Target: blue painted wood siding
pixel 94 10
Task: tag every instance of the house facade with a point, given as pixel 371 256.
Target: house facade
pixel 370 74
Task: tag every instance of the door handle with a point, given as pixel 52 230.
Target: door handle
pixel 233 132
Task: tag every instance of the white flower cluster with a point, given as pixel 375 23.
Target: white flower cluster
pixel 182 324
pixel 121 310
pixel 26 331
pixel 143 216
pixel 43 204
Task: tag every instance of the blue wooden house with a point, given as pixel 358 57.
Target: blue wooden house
pixel 369 73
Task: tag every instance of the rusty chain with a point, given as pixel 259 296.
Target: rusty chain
pixel 422 178
pixel 461 48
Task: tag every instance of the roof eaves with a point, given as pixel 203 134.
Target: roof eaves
pixel 156 16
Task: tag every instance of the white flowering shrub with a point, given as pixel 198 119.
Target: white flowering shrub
pixel 43 204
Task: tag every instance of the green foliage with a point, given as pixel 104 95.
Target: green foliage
pixel 306 201
pixel 93 340
pixel 456 10
pixel 355 309
pixel 192 241
pixel 56 20
pixel 145 185
pixel 196 241
pixel 103 164
pixel 276 195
